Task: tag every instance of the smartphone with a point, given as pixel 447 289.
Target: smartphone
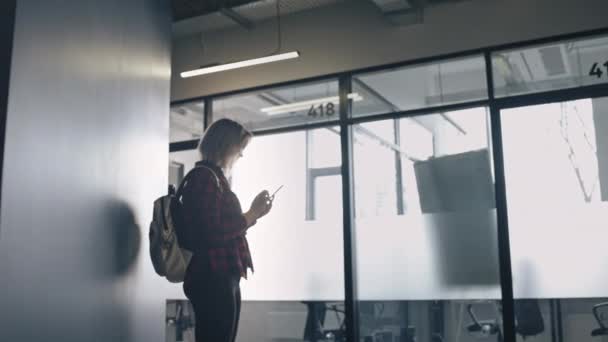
pixel 275 192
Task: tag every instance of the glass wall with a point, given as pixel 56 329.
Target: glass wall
pixel 297 289
pixel 282 107
pixel 420 86
pixel 186 121
pixel 305 225
pixel 425 220
pixel 180 163
pixel 425 226
pixel 553 66
pixel 298 248
pixel 556 165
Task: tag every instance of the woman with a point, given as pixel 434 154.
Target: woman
pixel 219 227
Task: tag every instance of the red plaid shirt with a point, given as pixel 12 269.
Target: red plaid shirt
pixel 216 219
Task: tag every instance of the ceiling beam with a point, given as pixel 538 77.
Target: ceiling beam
pixel 237 18
pixel 184 9
pixel 401 12
pixel 387 6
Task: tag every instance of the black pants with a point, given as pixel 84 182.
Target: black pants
pixel 216 300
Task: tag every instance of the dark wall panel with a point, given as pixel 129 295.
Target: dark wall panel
pixel 86 153
pixel 7 24
pixel 600 119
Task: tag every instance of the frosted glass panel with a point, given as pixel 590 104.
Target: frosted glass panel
pixel 324 148
pixel 425 229
pixel 428 257
pixel 557 190
pixel 295 257
pixel 444 244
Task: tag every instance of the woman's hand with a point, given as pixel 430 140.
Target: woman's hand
pixel 261 204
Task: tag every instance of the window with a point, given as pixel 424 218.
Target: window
pixel 324 174
pixel 176 172
pixel 281 107
pixel 180 163
pixel 439 256
pixel 551 66
pixel 187 121
pixel 556 173
pixel 296 258
pixel 420 86
pixel 298 290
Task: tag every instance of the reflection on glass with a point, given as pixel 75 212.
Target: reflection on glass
pixel 427 259
pixel 282 107
pixel 550 67
pixel 414 87
pixel 187 121
pixel 556 169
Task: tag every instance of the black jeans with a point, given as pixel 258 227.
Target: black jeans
pixel 216 299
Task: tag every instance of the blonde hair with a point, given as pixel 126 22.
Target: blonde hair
pixel 221 138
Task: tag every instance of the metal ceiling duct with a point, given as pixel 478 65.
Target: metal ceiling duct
pixel 388 6
pixel 406 12
pixel 184 9
pixel 401 12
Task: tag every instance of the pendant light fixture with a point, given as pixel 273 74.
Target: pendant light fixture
pixel 275 57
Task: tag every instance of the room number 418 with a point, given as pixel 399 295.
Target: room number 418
pixel 597 71
pixel 327 109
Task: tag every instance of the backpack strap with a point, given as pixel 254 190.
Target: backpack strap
pixel 186 179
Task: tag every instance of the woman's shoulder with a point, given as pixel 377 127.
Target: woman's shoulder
pixel 203 174
pixel 210 176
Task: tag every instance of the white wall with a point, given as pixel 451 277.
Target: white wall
pixel 353 35
pixel 85 156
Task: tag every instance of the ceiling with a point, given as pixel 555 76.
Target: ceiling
pixel 192 16
pixel 198 16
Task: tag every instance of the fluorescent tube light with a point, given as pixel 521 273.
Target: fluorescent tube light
pixel 242 64
pixel 297 106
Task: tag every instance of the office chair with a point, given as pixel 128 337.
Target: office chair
pixel 602 330
pixel 484 327
pixel 315 331
pixel 181 321
pixel 529 320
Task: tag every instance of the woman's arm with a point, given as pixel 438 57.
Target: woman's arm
pixel 251 218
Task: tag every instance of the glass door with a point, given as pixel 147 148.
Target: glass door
pixel 556 176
